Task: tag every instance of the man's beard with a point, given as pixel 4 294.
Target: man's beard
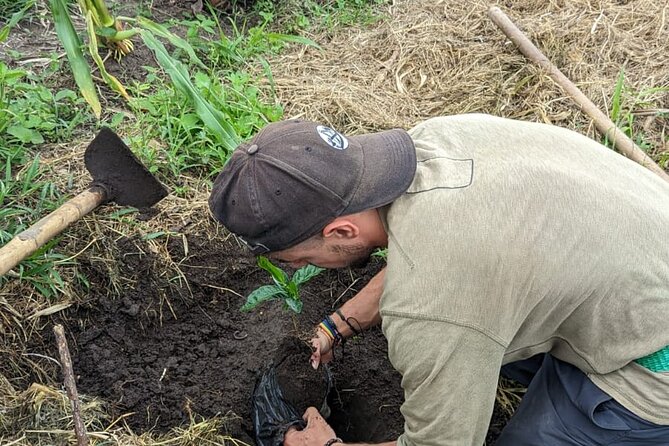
pixel 361 254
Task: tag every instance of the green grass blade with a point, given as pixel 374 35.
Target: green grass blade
pixel 112 81
pixel 16 17
pixel 159 30
pixel 616 100
pixel 213 119
pixel 72 44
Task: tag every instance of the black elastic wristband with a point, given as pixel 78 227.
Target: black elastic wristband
pixel 350 325
pixel 332 441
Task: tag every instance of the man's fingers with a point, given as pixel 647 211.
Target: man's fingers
pixel 310 415
pixel 327 357
pixel 316 354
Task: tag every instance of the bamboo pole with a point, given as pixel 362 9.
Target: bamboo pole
pixel 607 127
pixel 30 240
pixel 70 385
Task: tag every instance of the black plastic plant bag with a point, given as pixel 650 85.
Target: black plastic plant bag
pixel 272 414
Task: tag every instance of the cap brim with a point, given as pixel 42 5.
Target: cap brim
pixel 389 169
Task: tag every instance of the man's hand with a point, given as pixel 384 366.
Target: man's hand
pixel 322 346
pixel 362 312
pixel 317 432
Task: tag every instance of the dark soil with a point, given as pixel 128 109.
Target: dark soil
pixel 172 347
pixel 163 352
pixel 300 384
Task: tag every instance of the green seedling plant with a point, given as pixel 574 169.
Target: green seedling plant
pixel 284 288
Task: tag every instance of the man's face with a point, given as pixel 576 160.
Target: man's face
pixel 325 252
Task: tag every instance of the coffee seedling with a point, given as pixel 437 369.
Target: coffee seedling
pixel 283 288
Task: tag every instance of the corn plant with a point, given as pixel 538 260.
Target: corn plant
pixel 103 28
pixel 284 287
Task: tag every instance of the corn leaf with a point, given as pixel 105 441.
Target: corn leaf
pixel 112 81
pixel 159 30
pixel 70 40
pixel 213 119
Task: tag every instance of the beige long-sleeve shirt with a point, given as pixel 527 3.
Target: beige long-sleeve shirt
pixel 517 238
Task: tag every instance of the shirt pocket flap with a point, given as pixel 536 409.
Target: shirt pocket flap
pixel 442 173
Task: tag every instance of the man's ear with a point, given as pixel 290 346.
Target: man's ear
pixel 342 227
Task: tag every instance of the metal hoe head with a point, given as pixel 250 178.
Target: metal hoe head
pixel 116 169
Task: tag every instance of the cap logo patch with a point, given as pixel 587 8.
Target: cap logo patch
pixel 333 138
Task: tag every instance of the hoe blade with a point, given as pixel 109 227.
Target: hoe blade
pixel 114 167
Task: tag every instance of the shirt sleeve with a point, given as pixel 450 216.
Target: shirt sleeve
pixel 449 376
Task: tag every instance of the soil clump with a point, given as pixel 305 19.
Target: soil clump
pixel 300 384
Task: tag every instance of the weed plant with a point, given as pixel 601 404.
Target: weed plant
pixel 30 115
pixel 162 122
pixel 624 102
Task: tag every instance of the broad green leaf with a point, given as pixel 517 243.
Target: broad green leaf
pixel 70 40
pixel 279 276
pixel 65 94
pixel 294 304
pixel 112 81
pixel 25 135
pixel 292 290
pixel 16 17
pixel 175 40
pixel 260 295
pixel 7 75
pixel 213 119
pixel 306 273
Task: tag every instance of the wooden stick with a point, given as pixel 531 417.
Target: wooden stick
pixel 622 142
pixel 30 240
pixel 70 385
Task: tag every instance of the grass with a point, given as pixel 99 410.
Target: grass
pixel 44 124
pixel 30 115
pixel 38 114
pixel 625 102
pixel 162 124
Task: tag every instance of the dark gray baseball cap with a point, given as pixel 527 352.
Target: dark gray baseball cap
pixel 294 177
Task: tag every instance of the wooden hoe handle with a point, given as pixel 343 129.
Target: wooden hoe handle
pixel 624 144
pixel 28 241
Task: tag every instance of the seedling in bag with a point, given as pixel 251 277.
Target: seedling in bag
pixel 284 288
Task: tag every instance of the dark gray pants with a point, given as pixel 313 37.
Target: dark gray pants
pixel 563 407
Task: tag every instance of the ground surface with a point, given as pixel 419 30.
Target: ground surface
pixel 159 336
pixel 163 352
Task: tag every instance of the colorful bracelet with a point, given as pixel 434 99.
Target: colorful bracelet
pixel 330 330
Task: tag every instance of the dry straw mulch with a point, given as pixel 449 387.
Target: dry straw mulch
pixel 446 57
pixel 423 59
